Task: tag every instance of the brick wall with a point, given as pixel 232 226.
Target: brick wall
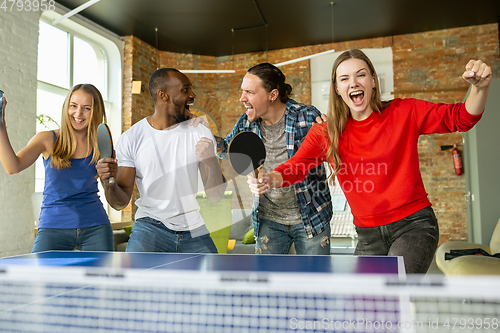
pixel 429 66
pixel 426 66
pixel 18 69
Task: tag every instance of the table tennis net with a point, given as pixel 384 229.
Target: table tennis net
pixel 78 300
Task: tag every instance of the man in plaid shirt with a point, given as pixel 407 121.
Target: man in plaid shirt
pixel 298 214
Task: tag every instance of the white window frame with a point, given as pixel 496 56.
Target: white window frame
pixel 110 46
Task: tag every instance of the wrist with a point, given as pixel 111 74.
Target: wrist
pixel 275 179
pixel 210 161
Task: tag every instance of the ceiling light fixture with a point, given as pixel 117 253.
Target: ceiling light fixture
pixel 207 71
pixel 331 6
pixel 304 58
pixel 264 25
pixel 157 50
pixel 189 71
pixel 74 11
pixel 312 55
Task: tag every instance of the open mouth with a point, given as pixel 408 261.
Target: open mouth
pixel 78 121
pixel 187 106
pixel 249 109
pixel 357 97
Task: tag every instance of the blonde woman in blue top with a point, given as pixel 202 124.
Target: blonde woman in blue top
pixel 72 215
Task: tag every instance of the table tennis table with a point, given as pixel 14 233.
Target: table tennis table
pixel 73 291
pixel 334 264
pixel 168 292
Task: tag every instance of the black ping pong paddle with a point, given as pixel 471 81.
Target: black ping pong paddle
pixel 105 144
pixel 246 153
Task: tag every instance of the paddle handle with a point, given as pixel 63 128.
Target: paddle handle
pixel 256 172
pixel 111 180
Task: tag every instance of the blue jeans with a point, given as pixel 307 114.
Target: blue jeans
pixel 415 238
pixel 97 238
pixel 150 235
pixel 277 238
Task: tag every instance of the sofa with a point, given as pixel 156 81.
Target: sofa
pixel 470 264
pixel 241 224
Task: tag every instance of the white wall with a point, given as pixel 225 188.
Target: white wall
pixel 321 72
pixel 18 72
pixel 482 162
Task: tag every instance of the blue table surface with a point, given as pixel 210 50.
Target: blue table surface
pixel 212 262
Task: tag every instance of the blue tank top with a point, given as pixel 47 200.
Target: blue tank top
pixel 70 198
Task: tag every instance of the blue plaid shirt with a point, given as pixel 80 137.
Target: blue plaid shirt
pixel 313 194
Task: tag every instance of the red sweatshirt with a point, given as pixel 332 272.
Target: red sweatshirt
pixel 380 173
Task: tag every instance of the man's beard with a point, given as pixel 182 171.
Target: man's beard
pixel 180 116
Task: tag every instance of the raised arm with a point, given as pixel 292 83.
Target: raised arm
pixel 13 163
pixel 211 173
pixel 220 142
pixel 478 74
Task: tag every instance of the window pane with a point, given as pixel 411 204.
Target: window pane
pixel 86 66
pixel 53 55
pixel 49 106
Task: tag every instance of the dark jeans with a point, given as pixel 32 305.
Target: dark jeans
pixel 150 235
pixel 97 238
pixel 415 238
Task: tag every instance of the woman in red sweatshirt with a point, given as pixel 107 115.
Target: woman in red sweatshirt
pixel 372 149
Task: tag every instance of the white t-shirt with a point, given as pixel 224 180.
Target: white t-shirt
pixel 167 173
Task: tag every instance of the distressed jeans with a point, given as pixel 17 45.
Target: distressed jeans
pixel 150 235
pixel 277 238
pixel 415 238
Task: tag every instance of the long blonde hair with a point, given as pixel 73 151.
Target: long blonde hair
pixel 65 144
pixel 338 110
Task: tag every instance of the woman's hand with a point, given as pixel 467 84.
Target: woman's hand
pixel 478 74
pixel 322 119
pixel 195 121
pixel 258 185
